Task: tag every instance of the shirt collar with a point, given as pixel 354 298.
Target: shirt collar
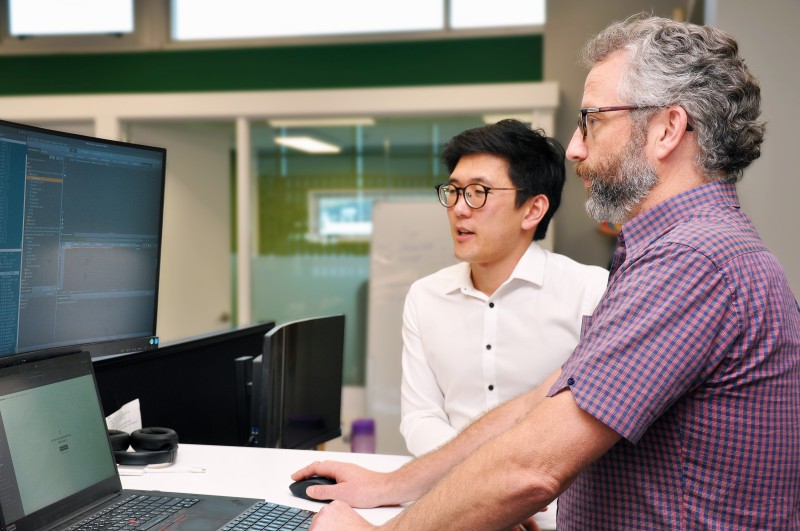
pixel 640 231
pixel 530 268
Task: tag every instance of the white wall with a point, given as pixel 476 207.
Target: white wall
pixel 195 280
pixel 769 41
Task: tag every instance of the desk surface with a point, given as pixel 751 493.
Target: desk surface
pixel 252 473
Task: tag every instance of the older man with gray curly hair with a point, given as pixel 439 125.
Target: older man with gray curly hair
pixel 678 407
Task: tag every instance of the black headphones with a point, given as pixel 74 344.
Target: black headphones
pixel 153 446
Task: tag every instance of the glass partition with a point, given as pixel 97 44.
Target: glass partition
pixel 314 211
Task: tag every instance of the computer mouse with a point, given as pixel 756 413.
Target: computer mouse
pixel 298 488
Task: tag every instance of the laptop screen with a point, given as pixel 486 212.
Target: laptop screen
pixel 54 452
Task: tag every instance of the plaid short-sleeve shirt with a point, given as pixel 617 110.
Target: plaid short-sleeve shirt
pixel 693 356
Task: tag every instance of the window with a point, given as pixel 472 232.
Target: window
pixel 497 13
pixel 210 19
pixel 239 19
pixel 346 215
pixel 77 17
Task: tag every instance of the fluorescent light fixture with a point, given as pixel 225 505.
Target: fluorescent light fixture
pixel 321 122
pixel 307 144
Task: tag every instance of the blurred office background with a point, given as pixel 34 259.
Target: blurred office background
pixel 259 227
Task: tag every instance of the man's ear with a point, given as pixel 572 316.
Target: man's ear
pixel 535 209
pixel 672 126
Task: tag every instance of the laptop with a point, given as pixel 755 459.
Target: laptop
pixel 56 463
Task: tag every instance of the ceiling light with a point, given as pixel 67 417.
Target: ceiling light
pixel 321 122
pixel 307 144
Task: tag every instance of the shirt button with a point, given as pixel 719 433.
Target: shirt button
pixel 488 347
pixel 491 305
pixel 491 388
pixel 570 381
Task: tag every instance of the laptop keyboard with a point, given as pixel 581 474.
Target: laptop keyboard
pixel 136 512
pixel 270 517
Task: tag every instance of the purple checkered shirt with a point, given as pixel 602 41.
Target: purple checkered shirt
pixel 693 357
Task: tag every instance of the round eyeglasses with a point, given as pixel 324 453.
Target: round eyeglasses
pixel 474 194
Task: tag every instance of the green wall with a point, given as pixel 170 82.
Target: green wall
pixel 505 59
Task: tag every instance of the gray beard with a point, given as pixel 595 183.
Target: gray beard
pixel 613 199
pixel 613 202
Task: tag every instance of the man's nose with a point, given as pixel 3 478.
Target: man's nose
pixel 576 151
pixel 461 207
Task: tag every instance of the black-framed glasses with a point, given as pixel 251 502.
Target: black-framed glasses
pixel 589 110
pixel 474 194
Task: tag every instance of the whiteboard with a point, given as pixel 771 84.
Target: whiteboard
pixel 410 240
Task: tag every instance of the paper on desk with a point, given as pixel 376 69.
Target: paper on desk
pixel 128 418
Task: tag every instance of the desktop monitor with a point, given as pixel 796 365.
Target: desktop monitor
pixel 297 384
pixel 80 241
pixel 192 385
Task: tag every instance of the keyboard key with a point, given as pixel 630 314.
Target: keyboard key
pixel 271 517
pixel 136 512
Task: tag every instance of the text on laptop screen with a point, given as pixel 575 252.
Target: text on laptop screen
pixel 53 443
pixel 80 240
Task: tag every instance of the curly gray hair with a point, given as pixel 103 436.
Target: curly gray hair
pixel 698 68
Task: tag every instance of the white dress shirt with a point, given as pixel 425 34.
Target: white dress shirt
pixel 464 352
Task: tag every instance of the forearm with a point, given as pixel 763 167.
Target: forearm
pixel 363 488
pixel 515 474
pixel 419 475
pixel 489 489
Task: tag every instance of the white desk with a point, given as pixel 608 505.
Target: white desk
pixel 252 473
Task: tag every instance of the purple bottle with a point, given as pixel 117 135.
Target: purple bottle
pixel 362 436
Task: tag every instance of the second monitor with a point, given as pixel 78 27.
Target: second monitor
pixel 297 384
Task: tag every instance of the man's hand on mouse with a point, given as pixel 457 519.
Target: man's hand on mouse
pixel 356 486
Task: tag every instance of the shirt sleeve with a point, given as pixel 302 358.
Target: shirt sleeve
pixel 660 331
pixel 424 423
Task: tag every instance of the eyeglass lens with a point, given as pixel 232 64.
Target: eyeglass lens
pixel 474 195
pixel 582 122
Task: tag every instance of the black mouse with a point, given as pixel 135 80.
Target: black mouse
pixel 298 488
